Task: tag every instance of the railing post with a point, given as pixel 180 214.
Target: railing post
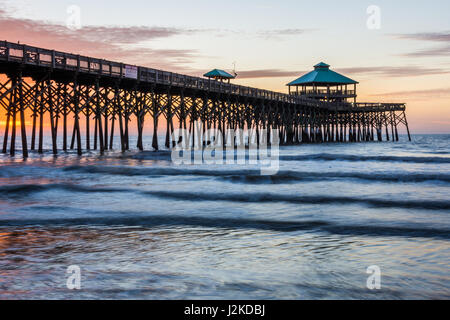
pixel 24 54
pixel 7 51
pixel 53 59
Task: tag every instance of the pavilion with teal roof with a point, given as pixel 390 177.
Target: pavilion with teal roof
pixel 219 75
pixel 324 84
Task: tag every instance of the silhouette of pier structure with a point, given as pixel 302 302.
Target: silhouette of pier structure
pixel 62 88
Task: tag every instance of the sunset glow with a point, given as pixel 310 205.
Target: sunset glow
pixel 406 60
pixel 221 158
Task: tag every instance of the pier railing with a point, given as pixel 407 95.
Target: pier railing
pixel 325 92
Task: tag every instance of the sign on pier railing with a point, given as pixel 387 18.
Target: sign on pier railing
pixel 131 72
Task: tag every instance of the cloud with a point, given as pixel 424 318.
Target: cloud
pixel 434 52
pixel 430 36
pixel 105 34
pixel 119 43
pixel 128 35
pixel 267 73
pixel 389 71
pixel 386 71
pixel 282 33
pixel 435 37
pixel 266 34
pixel 106 42
pixel 429 93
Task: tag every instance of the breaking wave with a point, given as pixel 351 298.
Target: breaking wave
pixel 351 157
pixel 23 190
pixel 241 223
pixel 254 176
pixel 300 199
pixel 26 189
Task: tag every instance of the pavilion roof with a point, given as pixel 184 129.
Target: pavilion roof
pixel 216 73
pixel 322 75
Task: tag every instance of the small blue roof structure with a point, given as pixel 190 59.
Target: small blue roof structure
pixel 218 74
pixel 322 75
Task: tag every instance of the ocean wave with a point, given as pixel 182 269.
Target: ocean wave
pixel 19 191
pixel 299 199
pixel 234 223
pixel 254 176
pixel 149 155
pixel 293 176
pixel 351 157
pixel 26 189
pixel 166 155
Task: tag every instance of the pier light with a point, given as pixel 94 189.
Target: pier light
pixel 324 84
pixel 219 75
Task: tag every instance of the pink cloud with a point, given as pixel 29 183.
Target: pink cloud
pixel 115 43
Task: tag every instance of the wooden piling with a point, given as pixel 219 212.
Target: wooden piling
pixel 8 115
pixel 22 106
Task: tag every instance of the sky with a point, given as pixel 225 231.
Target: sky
pixel 401 54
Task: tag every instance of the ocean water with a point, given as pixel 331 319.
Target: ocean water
pixel 140 227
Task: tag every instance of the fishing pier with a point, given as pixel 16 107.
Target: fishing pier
pixel 63 88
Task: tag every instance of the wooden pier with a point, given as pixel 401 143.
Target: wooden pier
pixel 109 95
